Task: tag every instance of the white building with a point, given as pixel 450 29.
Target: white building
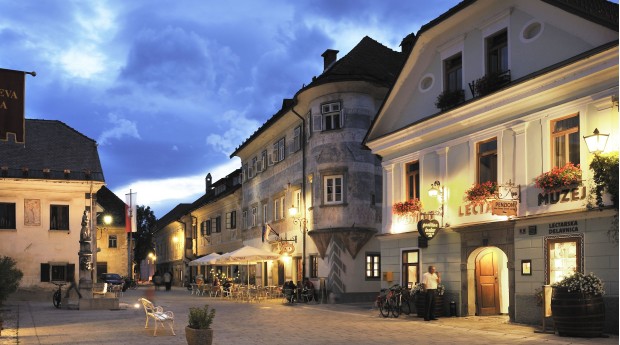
pixel 501 91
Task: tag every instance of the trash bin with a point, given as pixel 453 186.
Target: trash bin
pixel 452 308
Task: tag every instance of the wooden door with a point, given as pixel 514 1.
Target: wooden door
pixel 487 284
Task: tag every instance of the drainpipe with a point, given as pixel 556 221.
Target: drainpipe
pixel 195 253
pixel 303 190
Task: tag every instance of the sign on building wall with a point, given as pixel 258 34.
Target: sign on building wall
pixel 504 207
pixel 12 90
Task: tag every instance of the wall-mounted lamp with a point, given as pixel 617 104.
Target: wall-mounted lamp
pixel 107 220
pixel 302 222
pixel 596 142
pixel 437 191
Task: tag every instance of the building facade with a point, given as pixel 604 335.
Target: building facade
pixel 501 92
pixel 112 238
pixel 46 186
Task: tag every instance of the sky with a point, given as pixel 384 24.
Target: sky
pixel 169 89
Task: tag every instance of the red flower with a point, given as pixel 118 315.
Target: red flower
pixel 558 178
pixel 479 192
pixel 413 205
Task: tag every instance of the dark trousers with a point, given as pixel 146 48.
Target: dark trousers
pixel 429 313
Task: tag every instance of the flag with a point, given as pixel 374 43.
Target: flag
pixel 130 214
pixel 12 92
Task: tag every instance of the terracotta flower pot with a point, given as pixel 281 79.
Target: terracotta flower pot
pixel 198 336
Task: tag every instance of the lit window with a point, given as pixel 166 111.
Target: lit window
pixel 333 189
pixel 112 241
pixel 373 266
pixel 413 181
pixel 411 265
pixel 564 257
pixel 565 141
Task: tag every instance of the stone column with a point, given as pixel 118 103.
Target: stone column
pixel 86 259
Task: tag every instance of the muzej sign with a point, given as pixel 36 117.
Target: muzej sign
pixel 428 228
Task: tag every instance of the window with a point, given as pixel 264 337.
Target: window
pixel 58 272
pixel 331 116
pixel 314 266
pixel 297 199
pixel 276 209
pixel 218 224
pixel 244 219
pixel 7 216
pixel 565 141
pixel 453 73
pixel 244 172
pixel 253 166
pixel 112 241
pixel 413 181
pixel 278 151
pixel 204 228
pixel 59 217
pixel 373 266
pixel 411 267
pixel 231 220
pixel 208 227
pixel 254 216
pixel 486 153
pixel 262 164
pixel 297 139
pixel 497 53
pixel 563 257
pixel 265 213
pixel 333 189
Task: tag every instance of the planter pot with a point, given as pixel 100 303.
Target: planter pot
pixel 576 314
pixel 198 336
pixel 420 303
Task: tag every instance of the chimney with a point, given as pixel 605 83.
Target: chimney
pixel 208 183
pixel 329 57
pixel 406 45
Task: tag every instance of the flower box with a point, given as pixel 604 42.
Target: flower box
pixel 480 192
pixel 559 178
pixel 407 207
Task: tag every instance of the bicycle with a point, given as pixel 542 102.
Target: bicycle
pixel 406 301
pixel 57 298
pixel 389 301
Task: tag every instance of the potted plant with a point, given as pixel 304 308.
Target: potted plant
pixel 198 331
pixel 605 175
pixel 449 99
pixel 559 178
pixel 403 208
pixel 577 306
pixel 480 192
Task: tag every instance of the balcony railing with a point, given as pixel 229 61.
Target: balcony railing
pixel 489 83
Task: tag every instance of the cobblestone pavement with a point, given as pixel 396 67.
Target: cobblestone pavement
pixel 267 322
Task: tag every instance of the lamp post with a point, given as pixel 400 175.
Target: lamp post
pixel 302 222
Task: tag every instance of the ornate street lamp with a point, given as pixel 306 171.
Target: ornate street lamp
pixel 302 222
pixel 596 142
pixel 437 191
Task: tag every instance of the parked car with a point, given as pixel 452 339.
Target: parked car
pixel 111 279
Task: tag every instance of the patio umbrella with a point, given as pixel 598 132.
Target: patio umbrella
pixel 246 255
pixel 204 260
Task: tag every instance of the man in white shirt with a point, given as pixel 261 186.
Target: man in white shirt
pixel 430 280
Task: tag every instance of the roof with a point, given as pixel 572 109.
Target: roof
pixel 112 206
pixel 52 150
pixel 175 214
pixel 368 61
pixel 231 185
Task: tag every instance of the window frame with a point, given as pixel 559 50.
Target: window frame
pixel 372 266
pixel 579 251
pixel 254 219
pixel 450 68
pixel 64 209
pixel 566 134
pixel 313 261
pixel 10 222
pixel 112 241
pixel 481 155
pixel 231 220
pixel 405 264
pixel 326 186
pixel 296 139
pixel 412 181
pixel 498 63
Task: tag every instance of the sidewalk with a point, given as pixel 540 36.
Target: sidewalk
pixel 268 322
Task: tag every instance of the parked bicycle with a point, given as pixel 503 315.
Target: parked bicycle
pixel 389 301
pixel 57 298
pixel 406 301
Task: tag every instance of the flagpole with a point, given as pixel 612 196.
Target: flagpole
pixel 129 251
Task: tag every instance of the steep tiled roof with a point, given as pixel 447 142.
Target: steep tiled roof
pixel 51 150
pixel 368 61
pixel 231 183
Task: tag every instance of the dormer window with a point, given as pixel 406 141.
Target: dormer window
pixel 497 53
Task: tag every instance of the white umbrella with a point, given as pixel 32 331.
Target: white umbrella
pixel 204 260
pixel 246 254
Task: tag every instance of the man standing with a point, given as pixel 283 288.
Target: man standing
pixel 430 280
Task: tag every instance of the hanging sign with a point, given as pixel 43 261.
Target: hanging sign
pixel 428 228
pixel 504 207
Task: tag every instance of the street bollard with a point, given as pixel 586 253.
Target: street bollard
pixel 452 308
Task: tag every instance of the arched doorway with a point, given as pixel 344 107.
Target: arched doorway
pixel 487 275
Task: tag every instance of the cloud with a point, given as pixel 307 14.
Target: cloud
pixel 236 128
pixel 122 128
pixel 162 195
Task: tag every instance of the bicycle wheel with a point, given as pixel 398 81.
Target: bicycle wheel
pixel 57 299
pixel 395 307
pixel 384 307
pixel 405 307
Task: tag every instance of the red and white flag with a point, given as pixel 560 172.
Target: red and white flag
pixel 130 213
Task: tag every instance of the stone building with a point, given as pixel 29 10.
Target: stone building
pixel 501 92
pixel 112 238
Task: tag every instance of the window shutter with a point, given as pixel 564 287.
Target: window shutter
pixel 342 119
pixel 317 123
pixel 45 272
pixel 70 273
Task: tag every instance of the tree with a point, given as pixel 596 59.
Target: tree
pixel 10 276
pixel 145 222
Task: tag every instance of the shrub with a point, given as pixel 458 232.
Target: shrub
pixel 201 318
pixel 10 276
pixel 579 282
